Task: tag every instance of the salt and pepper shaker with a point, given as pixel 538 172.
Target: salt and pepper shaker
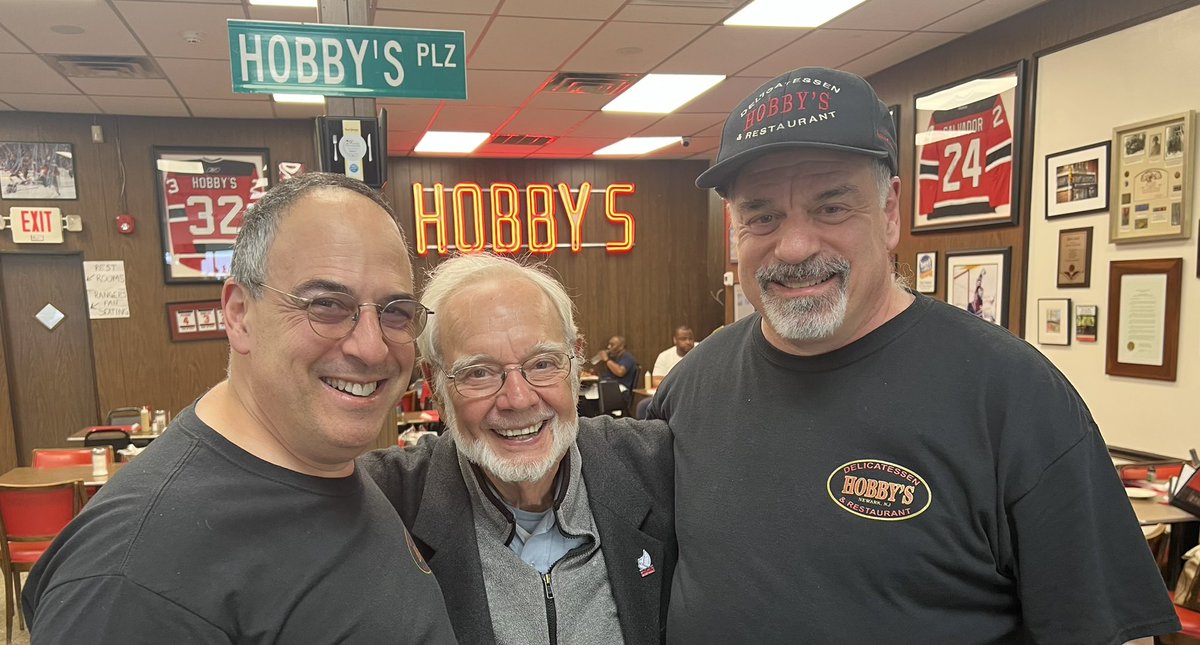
pixel 160 421
pixel 99 462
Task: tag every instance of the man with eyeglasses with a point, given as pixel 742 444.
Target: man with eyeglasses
pixel 248 521
pixel 540 526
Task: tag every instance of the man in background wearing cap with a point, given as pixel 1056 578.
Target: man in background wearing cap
pixel 859 463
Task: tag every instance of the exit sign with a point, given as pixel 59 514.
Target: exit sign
pixel 36 225
pixel 343 60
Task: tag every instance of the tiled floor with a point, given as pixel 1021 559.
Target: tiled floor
pixel 20 636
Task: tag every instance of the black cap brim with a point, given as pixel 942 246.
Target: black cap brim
pixel 722 174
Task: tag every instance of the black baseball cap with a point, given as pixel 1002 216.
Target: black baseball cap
pixel 810 107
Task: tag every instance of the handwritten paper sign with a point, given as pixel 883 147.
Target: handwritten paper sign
pixel 105 282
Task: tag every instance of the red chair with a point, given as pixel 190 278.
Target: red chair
pixel 30 517
pixel 1189 633
pixel 65 457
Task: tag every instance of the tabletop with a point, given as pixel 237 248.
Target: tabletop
pixel 1153 511
pixel 138 435
pixel 29 475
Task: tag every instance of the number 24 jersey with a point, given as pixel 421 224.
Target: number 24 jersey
pixel 968 174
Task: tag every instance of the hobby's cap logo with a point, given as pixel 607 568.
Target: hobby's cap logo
pixel 879 490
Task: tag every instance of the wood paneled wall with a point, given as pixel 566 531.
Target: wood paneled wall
pixel 665 281
pixel 1046 27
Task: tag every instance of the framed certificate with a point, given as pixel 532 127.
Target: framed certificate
pixel 1151 182
pixel 1074 258
pixel 1143 318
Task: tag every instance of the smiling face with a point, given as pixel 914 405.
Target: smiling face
pixel 814 243
pixel 324 400
pixel 520 433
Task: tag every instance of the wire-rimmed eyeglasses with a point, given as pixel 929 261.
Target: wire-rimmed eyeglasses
pixel 485 379
pixel 335 315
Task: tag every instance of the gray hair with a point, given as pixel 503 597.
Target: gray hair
pixel 456 273
pixel 261 222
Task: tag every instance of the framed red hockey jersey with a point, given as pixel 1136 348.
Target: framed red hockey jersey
pixel 203 195
pixel 967 141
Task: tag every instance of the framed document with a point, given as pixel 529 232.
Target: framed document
pixel 1074 258
pixel 1085 323
pixel 203 193
pixel 927 272
pixel 1151 183
pixel 1054 321
pixel 1077 180
pixel 968 151
pixel 978 282
pixel 1143 318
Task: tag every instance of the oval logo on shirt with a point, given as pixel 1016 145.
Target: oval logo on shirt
pixel 879 490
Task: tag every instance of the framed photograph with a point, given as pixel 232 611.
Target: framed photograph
pixel 203 193
pixel 1152 180
pixel 968 151
pixel 37 171
pixel 927 272
pixel 1075 258
pixel 1077 180
pixel 1054 321
pixel 977 281
pixel 1143 318
pixel 201 320
pixel 1086 317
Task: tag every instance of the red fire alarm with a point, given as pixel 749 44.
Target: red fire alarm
pixel 125 224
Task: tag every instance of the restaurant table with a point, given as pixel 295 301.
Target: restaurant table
pixel 1185 530
pixel 147 436
pixel 642 393
pixel 29 475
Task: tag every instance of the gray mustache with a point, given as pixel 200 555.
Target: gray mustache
pixel 807 270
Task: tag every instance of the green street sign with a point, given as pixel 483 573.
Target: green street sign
pixel 345 60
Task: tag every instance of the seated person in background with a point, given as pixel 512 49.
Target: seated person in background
pixel 620 366
pixel 248 522
pixel 669 357
pixel 541 527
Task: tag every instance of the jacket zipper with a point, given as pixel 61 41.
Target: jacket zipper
pixel 551 612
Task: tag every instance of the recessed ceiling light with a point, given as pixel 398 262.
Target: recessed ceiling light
pixel 285 3
pixel 637 145
pixel 790 13
pixel 311 99
pixel 451 142
pixel 662 93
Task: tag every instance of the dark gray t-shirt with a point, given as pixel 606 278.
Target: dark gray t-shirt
pixel 937 481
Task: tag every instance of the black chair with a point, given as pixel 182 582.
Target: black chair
pixel 108 436
pixel 124 416
pixel 612 401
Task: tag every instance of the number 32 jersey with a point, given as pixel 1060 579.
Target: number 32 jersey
pixel 204 215
pixel 968 174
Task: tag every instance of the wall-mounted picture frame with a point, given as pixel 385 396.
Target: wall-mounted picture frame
pixel 199 320
pixel 1087 317
pixel 1143 318
pixel 927 272
pixel 968 151
pixel 1077 180
pixel 977 281
pixel 1152 180
pixel 1074 258
pixel 32 170
pixel 203 194
pixel 894 112
pixel 1054 321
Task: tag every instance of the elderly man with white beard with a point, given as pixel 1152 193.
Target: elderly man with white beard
pixel 540 527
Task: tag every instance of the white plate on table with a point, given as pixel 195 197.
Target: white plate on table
pixel 1140 493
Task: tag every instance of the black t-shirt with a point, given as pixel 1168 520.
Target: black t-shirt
pixel 937 481
pixel 197 541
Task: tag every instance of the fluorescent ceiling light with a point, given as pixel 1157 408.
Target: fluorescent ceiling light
pixel 790 13
pixel 460 142
pixel 662 93
pixel 312 99
pixel 967 93
pixel 637 145
pixel 285 3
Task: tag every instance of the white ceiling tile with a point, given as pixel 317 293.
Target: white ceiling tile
pixel 465 118
pixel 715 129
pixel 565 101
pixel 125 86
pixel 823 47
pixel 104 33
pixel 208 1
pixel 160 25
pixel 725 50
pixel 141 106
pixel 283 14
pixel 619 126
pixel 544 122
pixel 471 24
pixel 705 145
pixel 911 45
pixel 530 43
pixel 453 6
pixel 9 43
pixel 31 74
pixel 202 78
pixel 76 103
pixel 4 107
pixel 673 15
pixel 230 109
pixel 682 124
pixel 725 95
pixel 631 47
pixel 574 146
pixel 402 141
pixel 297 110
pixel 893 15
pixel 593 9
pixel 493 87
pixel 408 116
pixel 980 15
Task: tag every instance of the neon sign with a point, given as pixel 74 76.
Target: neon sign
pixel 514 222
